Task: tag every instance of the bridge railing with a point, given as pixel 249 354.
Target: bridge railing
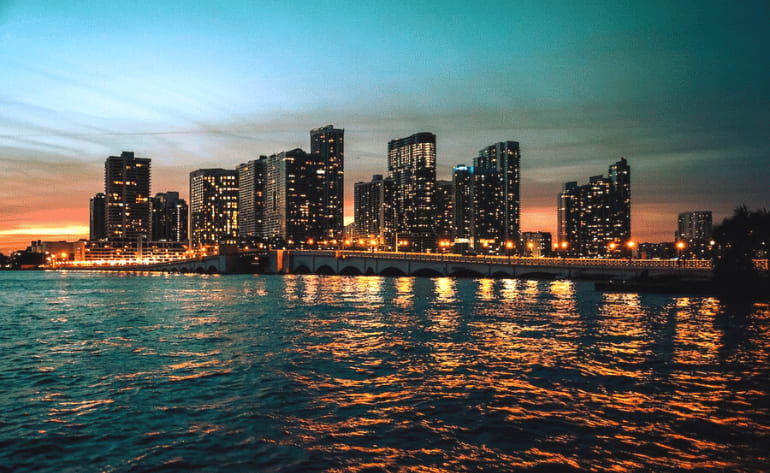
pixel 702 265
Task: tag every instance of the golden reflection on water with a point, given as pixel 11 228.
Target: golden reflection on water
pixel 445 290
pixel 485 289
pixel 537 355
pixel 404 293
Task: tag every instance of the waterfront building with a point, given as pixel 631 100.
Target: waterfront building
pixel 169 217
pixel 294 186
pixel 694 225
pixel 536 244
pixel 462 203
pixel 127 190
pixel 327 147
pixel 444 210
pixel 97 209
pixel 251 200
pixel 412 168
pixel 496 197
pixel 595 219
pixel 213 207
pixel 369 207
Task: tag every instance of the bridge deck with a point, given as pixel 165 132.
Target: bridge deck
pixel 576 263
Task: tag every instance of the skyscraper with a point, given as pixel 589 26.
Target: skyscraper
pixel 127 189
pixel 97 208
pixel 213 207
pixel 620 201
pixel 496 198
pixel 169 217
pixel 293 198
pixel 462 202
pixel 444 210
pixel 412 167
pixel 373 209
pixel 327 146
pixel 592 216
pixel 251 199
pixel 694 225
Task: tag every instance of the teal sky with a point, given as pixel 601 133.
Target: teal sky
pixel 682 89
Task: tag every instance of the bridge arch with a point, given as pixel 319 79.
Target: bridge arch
pixel 301 269
pixel 499 274
pixel 350 271
pixel 392 272
pixel 466 273
pixel 212 270
pixel 427 273
pixel 325 269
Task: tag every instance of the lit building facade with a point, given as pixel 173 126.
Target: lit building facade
pixel 127 190
pixel 412 168
pixel 169 217
pixel 496 197
pixel 294 183
pixel 327 147
pixel 213 207
pixel 536 244
pixel 593 216
pixel 694 226
pixel 251 200
pixel 444 210
pixel 97 208
pixel 373 210
pixel 462 203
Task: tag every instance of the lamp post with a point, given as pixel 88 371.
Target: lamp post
pixel 680 246
pixel 631 245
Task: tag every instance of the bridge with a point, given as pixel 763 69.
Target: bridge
pixel 434 265
pixel 212 264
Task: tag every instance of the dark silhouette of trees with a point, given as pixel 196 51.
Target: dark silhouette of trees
pixel 740 239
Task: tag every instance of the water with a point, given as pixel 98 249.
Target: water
pixel 111 372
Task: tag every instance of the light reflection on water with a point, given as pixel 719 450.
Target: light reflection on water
pixel 326 373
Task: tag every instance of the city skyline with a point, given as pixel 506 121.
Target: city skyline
pixel 659 94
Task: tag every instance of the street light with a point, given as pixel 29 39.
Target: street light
pixel 631 244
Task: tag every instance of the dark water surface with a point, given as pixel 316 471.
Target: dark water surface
pixel 110 372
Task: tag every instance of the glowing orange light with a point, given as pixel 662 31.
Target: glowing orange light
pixel 680 245
pixel 310 241
pixel 530 245
pixel 613 245
pixel 361 242
pixel 564 244
pixel 631 244
pixel 347 242
pixel 509 245
pixel 372 242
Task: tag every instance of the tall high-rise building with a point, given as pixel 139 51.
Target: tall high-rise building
pixel 592 216
pixel 462 202
pixel 213 207
pixel 127 189
pixel 496 197
pixel 97 208
pixel 620 202
pixel 293 204
pixel 327 145
pixel 694 225
pixel 251 199
pixel 444 210
pixel 169 217
pixel 412 167
pixel 372 208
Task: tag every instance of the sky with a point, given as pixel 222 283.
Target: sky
pixel 681 89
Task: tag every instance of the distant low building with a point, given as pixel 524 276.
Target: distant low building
pixel 694 226
pixel 536 244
